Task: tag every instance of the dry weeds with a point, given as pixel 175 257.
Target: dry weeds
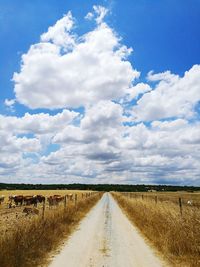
pixel 10 218
pixel 30 243
pixel 176 237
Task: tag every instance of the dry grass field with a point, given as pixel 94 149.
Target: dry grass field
pixel 193 198
pixel 41 192
pixel 27 240
pixel 9 218
pixel 45 193
pixel 175 236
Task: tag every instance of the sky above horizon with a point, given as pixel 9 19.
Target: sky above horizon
pixel 100 92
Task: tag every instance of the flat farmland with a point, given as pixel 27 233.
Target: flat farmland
pixel 187 198
pixel 46 193
pixel 151 224
pixel 11 217
pixel 169 220
pixel 26 239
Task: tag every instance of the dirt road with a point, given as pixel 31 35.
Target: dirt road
pixel 106 238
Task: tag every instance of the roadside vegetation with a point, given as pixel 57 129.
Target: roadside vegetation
pixel 30 243
pixel 175 236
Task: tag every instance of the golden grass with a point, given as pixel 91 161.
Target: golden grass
pixel 171 196
pixel 176 237
pixel 30 243
pixel 11 218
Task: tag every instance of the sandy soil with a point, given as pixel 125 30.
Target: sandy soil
pixel 106 238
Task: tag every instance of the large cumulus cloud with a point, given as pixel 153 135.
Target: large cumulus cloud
pixel 65 70
pixel 173 96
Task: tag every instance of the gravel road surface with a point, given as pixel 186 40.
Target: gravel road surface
pixel 106 238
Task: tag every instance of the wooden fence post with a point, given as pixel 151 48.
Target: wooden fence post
pixel 180 205
pixel 156 199
pixel 75 199
pixel 65 201
pixel 43 209
pixel 142 197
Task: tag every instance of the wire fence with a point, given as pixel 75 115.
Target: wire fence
pixel 181 200
pixel 7 206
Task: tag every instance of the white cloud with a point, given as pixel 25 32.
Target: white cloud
pixel 105 114
pixel 29 134
pixel 59 34
pixel 89 16
pixel 170 125
pixel 173 96
pixel 166 150
pixel 100 122
pixel 94 69
pixel 166 76
pixel 103 150
pixel 10 102
pixel 138 89
pixel 101 13
pixel 40 123
pixel 13 150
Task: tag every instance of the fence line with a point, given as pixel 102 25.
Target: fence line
pixel 158 198
pixel 45 205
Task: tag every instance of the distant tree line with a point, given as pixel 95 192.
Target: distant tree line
pixel 99 187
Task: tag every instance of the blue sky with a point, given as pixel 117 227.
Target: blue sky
pixel 164 36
